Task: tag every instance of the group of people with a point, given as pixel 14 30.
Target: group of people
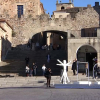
pixel 31 71
pixel 95 67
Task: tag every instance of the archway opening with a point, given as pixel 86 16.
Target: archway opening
pixel 86 53
pixel 56 39
pixel 51 42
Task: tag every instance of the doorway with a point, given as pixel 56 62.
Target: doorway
pixel 89 59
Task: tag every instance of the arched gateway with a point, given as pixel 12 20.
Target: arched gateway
pixel 86 53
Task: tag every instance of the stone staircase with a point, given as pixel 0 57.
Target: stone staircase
pixel 14 63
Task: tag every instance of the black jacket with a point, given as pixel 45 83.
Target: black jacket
pixel 74 66
pixel 48 74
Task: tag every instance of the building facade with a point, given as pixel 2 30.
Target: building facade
pixel 80 25
pixel 5 38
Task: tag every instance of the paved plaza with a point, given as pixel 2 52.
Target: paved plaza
pixel 49 94
pixel 34 88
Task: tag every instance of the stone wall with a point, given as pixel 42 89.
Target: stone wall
pixel 26 27
pixel 31 8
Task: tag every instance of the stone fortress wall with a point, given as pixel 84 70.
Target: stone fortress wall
pixel 8 8
pixel 27 25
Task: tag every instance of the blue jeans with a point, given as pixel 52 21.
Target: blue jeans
pixel 86 72
pixel 95 73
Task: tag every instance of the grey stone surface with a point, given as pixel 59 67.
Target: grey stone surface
pixel 43 93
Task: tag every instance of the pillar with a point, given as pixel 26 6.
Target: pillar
pixel 48 38
pixel 0 48
pixel 98 58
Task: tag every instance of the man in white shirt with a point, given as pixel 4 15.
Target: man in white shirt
pixel 43 69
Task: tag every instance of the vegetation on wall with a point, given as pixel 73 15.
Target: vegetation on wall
pixel 13 34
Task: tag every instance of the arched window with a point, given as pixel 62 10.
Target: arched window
pixel 62 8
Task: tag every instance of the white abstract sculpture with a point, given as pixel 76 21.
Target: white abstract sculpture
pixel 64 75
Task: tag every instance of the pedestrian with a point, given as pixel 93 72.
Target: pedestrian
pixel 74 66
pixel 48 57
pixel 27 70
pixel 95 70
pixel 27 60
pixel 48 76
pixel 34 69
pixel 94 61
pixel 31 71
pixel 86 68
pixel 43 69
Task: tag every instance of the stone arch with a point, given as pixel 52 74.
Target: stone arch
pixel 85 45
pixel 43 29
pixel 54 37
pixel 86 53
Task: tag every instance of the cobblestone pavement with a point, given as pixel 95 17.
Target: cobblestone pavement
pixel 44 93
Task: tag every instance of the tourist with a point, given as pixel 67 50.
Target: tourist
pixel 31 71
pixel 48 57
pixel 74 66
pixel 27 70
pixel 86 68
pixel 48 76
pixel 34 69
pixel 43 69
pixel 94 61
pixel 95 70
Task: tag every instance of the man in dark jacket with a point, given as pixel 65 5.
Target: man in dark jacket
pixel 74 65
pixel 48 76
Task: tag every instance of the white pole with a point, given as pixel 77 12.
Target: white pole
pixel 88 72
pixel 93 71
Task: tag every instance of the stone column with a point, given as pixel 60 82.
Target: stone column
pixel 98 55
pixel 48 38
pixel 0 48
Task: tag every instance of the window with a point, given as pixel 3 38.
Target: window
pixel 88 33
pixel 20 10
pixel 62 8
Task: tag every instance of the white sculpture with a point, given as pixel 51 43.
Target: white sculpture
pixel 64 75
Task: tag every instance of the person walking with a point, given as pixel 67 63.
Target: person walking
pixel 43 69
pixel 86 68
pixel 95 70
pixel 34 69
pixel 27 69
pixel 48 57
pixel 74 66
pixel 48 76
pixel 31 71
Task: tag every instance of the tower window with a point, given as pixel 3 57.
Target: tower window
pixel 20 10
pixel 62 8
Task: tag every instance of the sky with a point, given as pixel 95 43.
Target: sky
pixel 50 5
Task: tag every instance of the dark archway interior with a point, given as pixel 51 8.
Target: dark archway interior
pixel 86 53
pixel 56 38
pixel 89 58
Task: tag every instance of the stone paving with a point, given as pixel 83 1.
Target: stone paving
pixel 39 81
pixel 49 94
pixel 34 88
